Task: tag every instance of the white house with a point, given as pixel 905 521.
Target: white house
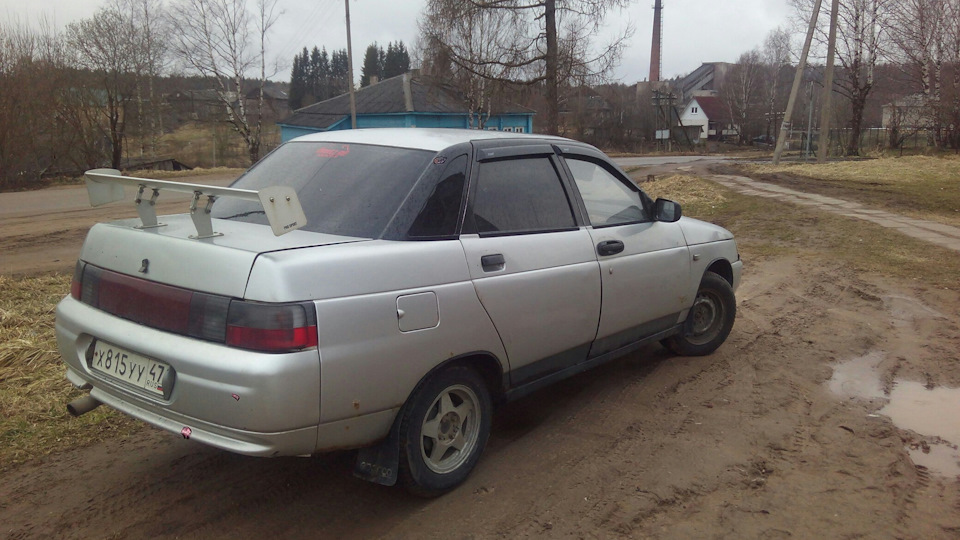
pixel 711 114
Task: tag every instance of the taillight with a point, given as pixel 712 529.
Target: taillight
pixel 271 327
pixel 246 325
pixel 75 285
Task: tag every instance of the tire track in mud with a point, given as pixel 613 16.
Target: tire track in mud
pixel 744 443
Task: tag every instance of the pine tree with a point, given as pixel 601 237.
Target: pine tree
pixel 397 61
pixel 298 87
pixel 315 76
pixel 372 64
pixel 323 80
pixel 339 73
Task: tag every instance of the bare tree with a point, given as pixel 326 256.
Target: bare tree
pixel 953 31
pixel 476 34
pixel 776 58
pixel 743 90
pixel 151 19
pixel 862 33
pixel 921 33
pixel 109 46
pixel 534 41
pixel 225 41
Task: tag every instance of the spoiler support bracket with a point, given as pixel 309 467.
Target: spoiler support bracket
pixel 147 210
pixel 201 217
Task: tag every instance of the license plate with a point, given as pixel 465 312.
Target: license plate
pixel 131 368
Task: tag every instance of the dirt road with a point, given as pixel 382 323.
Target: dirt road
pixel 43 230
pixel 779 434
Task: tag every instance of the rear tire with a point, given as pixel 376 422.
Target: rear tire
pixel 710 319
pixel 443 431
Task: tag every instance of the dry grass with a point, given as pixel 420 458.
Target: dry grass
pixel 33 391
pixel 690 191
pixel 206 144
pixel 166 175
pixel 765 228
pixel 919 186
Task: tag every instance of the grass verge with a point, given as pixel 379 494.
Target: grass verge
pixel 766 228
pixel 920 186
pixel 33 391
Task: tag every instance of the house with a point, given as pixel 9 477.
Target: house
pixel 583 113
pixel 908 113
pixel 202 105
pixel 407 100
pixel 711 115
pixel 275 103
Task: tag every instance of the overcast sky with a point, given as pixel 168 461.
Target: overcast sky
pixel 695 31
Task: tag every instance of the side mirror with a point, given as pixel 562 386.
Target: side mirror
pixel 667 211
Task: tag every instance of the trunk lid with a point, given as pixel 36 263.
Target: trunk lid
pixel 219 265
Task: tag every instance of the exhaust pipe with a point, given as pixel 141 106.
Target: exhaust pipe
pixel 82 405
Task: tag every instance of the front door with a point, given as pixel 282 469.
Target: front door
pixel 644 264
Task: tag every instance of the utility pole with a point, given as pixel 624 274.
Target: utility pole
pixel 353 98
pixel 828 86
pixel 797 77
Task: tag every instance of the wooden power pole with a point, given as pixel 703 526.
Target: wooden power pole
pixel 828 86
pixel 795 90
pixel 353 99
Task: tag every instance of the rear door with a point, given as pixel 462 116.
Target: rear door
pixel 531 261
pixel 644 264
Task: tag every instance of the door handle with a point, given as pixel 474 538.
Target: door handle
pixel 492 263
pixel 609 247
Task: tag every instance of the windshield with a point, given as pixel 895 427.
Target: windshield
pixel 345 189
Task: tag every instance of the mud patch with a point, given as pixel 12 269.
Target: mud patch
pixel 912 406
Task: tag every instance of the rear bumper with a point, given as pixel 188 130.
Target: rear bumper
pixel 241 401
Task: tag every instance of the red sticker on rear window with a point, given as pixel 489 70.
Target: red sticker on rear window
pixel 343 150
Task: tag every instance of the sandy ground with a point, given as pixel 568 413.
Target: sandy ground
pixel 759 440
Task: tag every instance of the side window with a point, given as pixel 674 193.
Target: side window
pixel 520 195
pixel 439 214
pixel 608 201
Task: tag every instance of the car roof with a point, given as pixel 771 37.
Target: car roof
pixel 420 138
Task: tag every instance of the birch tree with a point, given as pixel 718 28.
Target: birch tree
pixel 862 33
pixel 225 41
pixel 536 42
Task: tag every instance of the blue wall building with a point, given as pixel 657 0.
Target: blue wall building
pixel 403 101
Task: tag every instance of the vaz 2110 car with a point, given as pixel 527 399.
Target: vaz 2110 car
pixel 383 290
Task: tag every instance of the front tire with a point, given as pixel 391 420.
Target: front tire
pixel 710 319
pixel 443 431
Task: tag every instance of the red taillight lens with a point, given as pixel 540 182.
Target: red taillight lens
pixel 77 283
pixel 246 325
pixel 153 304
pixel 271 327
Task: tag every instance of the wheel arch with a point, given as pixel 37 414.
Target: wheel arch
pixel 722 268
pixel 484 362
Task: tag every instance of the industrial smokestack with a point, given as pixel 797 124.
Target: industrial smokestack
pixel 655 50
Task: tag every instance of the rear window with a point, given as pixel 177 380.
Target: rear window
pixel 345 189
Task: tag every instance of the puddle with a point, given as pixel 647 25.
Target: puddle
pixel 858 378
pixel 928 412
pixel 910 406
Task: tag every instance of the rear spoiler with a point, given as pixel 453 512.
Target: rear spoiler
pixel 280 203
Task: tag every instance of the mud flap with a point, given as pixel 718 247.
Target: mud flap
pixel 379 464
